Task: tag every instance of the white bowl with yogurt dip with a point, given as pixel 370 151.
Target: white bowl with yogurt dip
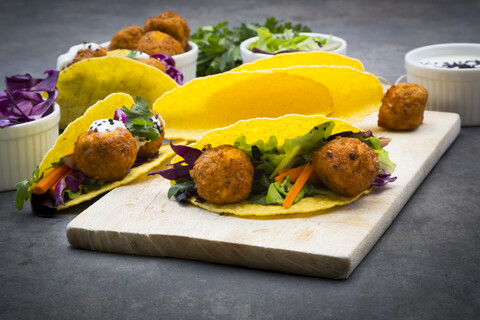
pixel 23 146
pixel 451 74
pixel 185 62
pixel 338 45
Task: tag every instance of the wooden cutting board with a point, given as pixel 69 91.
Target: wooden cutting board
pixel 139 219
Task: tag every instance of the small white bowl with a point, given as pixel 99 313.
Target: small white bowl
pixel 249 56
pixel 449 89
pixel 187 62
pixel 23 146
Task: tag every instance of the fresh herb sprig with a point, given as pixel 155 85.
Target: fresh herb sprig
pixel 139 120
pixel 219 46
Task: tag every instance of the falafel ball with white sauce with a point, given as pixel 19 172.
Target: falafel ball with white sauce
pixel 106 151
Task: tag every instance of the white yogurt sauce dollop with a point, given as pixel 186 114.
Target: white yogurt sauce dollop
pixel 66 59
pixel 105 125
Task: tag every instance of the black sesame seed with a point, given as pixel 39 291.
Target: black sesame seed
pixel 335 166
pixel 98 125
pixel 352 156
pixel 316 128
pixel 329 154
pixel 228 182
pixel 286 189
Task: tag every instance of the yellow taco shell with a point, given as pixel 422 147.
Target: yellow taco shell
pixel 221 100
pixel 64 145
pixel 88 81
pixel 288 126
pixel 286 60
pixel 355 93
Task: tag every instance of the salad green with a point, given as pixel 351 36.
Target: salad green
pixel 219 46
pixel 289 40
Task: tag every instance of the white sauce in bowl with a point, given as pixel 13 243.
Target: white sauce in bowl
pixel 452 61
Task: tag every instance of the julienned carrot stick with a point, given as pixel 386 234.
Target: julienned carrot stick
pixel 297 187
pixel 43 185
pixel 293 173
pixel 51 191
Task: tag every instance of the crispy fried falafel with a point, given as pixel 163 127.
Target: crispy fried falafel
pixel 171 23
pixel 107 154
pixel 126 38
pixel 223 175
pixel 83 54
pixel 403 106
pixel 346 166
pixel 158 42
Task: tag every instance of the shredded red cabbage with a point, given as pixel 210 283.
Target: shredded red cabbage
pixel 69 182
pixel 22 102
pixel 383 178
pixel 120 116
pixel 170 69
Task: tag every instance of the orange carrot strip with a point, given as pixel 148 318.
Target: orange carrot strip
pixel 43 185
pixel 51 191
pixel 293 173
pixel 297 187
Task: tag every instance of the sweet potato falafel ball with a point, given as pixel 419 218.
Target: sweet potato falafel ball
pixel 171 23
pixel 126 38
pixel 84 54
pixel 158 42
pixel 403 106
pixel 223 175
pixel 346 166
pixel 106 156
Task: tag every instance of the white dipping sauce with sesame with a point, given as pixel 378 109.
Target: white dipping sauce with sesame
pixel 105 125
pixel 452 61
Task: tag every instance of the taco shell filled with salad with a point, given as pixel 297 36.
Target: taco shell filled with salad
pixel 115 141
pixel 272 166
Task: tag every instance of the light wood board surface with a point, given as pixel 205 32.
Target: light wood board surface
pixel 139 219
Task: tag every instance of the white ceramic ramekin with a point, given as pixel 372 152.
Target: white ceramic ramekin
pixel 187 62
pixel 23 146
pixel 249 56
pixel 449 89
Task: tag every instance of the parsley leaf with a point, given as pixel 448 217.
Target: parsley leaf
pixel 219 46
pixel 139 120
pixel 23 188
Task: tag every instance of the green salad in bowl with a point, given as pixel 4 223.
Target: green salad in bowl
pixel 267 44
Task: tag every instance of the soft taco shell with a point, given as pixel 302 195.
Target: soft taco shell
pixel 289 126
pixel 64 145
pixel 221 100
pixel 286 60
pixel 88 81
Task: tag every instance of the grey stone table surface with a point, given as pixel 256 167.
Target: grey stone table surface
pixel 425 266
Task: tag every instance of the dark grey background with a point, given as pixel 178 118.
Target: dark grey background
pixel 426 265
